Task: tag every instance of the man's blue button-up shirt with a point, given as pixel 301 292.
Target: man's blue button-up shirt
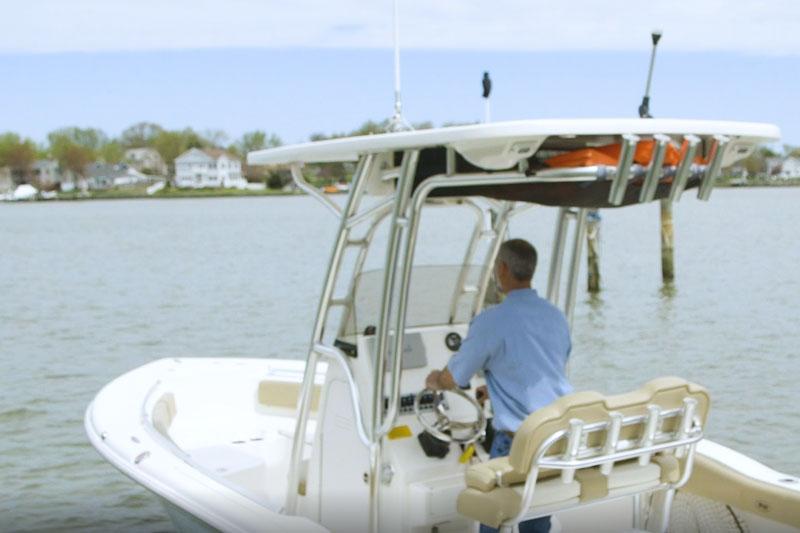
pixel 522 345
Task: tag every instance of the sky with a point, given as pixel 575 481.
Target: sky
pixel 301 67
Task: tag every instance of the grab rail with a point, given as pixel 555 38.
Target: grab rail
pixel 331 352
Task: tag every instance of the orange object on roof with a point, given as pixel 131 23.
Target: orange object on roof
pixel 609 155
pixel 585 157
pixel 698 159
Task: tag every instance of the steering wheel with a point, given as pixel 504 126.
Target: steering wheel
pixel 443 423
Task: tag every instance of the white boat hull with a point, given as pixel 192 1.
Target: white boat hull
pixel 208 439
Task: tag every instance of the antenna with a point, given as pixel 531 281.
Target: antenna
pixel 644 109
pixel 398 121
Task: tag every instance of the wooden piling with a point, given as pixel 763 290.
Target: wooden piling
pixel 593 250
pixel 667 243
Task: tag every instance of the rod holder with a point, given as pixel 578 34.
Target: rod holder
pixel 450 159
pixel 656 169
pixel 573 445
pixel 620 182
pixel 689 408
pixel 720 143
pixel 650 430
pixel 612 440
pixel 684 168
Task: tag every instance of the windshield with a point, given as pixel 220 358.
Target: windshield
pixel 431 293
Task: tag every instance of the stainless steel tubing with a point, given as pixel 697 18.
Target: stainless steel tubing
pixel 612 440
pixel 720 144
pixel 619 456
pixel 574 266
pixel 450 161
pixel 408 168
pixel 359 263
pixel 620 182
pixel 465 263
pixel 650 184
pixel 335 354
pixel 685 166
pixel 304 405
pixel 304 399
pixel 557 257
pixel 379 210
pixel 593 172
pixel 300 180
pixel 405 181
pixel 362 171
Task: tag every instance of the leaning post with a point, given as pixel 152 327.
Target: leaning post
pixel 593 250
pixel 667 242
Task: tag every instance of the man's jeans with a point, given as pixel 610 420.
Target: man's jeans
pixel 501 445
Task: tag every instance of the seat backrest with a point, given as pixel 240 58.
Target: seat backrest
pixel 668 393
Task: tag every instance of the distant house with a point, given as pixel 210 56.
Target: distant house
pixel 790 168
pixel 46 174
pixel 146 160
pixel 103 176
pixel 208 168
pixel 6 181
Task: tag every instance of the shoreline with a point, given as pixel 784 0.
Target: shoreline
pixel 177 194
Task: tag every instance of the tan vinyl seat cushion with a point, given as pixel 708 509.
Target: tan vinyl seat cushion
pixel 483 476
pixel 284 394
pixel 502 503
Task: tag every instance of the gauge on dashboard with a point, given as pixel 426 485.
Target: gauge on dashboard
pixel 453 341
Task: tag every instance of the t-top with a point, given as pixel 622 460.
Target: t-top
pixel 522 345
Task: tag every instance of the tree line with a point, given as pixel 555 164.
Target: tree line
pixel 73 148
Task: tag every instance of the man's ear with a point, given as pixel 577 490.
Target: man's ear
pixel 503 268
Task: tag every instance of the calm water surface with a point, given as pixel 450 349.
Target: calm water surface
pixel 90 290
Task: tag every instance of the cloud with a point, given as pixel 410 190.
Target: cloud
pixel 764 27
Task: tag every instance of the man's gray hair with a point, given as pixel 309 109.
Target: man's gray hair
pixel 520 257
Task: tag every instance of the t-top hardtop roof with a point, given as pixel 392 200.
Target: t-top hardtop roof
pixel 516 160
pixel 499 145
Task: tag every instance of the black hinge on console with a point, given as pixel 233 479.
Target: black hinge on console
pixel 347 347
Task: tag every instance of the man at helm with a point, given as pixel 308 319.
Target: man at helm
pixel 522 345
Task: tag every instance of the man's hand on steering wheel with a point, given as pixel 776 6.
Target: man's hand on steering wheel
pixel 432 381
pixel 440 380
pixel 442 428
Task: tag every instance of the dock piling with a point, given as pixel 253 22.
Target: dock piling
pixel 593 250
pixel 667 243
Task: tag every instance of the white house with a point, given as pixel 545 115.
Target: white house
pixel 208 168
pixel 6 181
pixel 146 160
pixel 46 173
pixel 790 168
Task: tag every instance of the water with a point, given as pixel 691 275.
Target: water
pixel 89 290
